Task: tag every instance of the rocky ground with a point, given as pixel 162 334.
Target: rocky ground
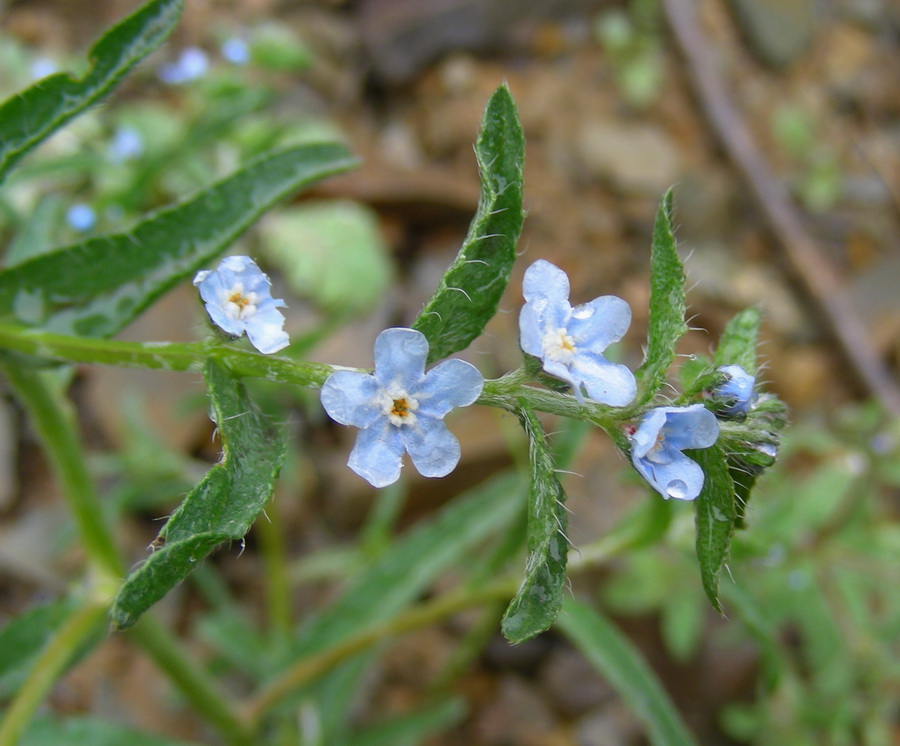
pixel 611 122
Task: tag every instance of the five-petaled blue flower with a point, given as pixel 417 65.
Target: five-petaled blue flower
pixel 569 340
pixel 658 442
pixel 738 389
pixel 238 300
pixel 401 408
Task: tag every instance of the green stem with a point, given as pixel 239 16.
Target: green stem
pixel 54 421
pixel 274 556
pixel 504 392
pixel 49 666
pixel 160 355
pixel 197 687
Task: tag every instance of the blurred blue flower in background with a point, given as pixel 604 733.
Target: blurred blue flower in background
pixel 126 145
pixel 236 51
pixel 569 340
pixel 81 217
pixel 191 64
pixel 738 389
pixel 400 408
pixel 238 300
pixel 42 67
pixel 658 442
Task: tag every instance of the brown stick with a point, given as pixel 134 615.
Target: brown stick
pixel 783 220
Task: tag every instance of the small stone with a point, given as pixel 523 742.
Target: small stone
pixel 636 158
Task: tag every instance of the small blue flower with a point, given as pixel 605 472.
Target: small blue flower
pixel 126 145
pixel 191 64
pixel 658 442
pixel 42 67
pixel 236 51
pixel 238 300
pixel 569 340
pixel 738 389
pixel 81 217
pixel 401 408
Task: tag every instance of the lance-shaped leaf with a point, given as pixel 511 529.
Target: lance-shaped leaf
pixel 97 287
pixel 615 657
pixel 539 599
pixel 469 293
pixel 221 508
pixel 30 116
pixel 715 516
pixel 666 305
pixel 737 346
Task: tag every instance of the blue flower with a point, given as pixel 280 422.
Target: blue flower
pixel 569 340
pixel 401 408
pixel 236 51
pixel 238 300
pixel 191 64
pixel 81 217
pixel 738 390
pixel 126 145
pixel 658 442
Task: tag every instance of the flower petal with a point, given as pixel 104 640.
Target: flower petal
pixel 681 478
pixel 531 334
pixel 433 448
pixel 596 325
pixel 738 388
pixel 605 382
pixel 378 454
pixel 400 357
pixel 690 427
pixel 265 329
pixel 645 437
pixel 544 280
pixel 453 383
pixel 351 398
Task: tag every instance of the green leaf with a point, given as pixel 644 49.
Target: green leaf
pixel 617 660
pixel 715 518
pixel 469 293
pixel 539 599
pixel 89 731
pixel 737 345
pixel 666 305
pixel 30 116
pixel 221 508
pixel 330 252
pixel 23 638
pixel 64 291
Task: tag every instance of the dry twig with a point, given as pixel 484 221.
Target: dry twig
pixel 812 267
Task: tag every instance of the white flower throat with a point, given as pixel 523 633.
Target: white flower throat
pixel 238 304
pixel 398 406
pixel 558 346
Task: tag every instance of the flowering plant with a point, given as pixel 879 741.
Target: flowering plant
pixel 706 447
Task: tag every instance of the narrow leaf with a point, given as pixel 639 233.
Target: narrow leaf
pixel 469 293
pixel 30 116
pixel 538 600
pixel 413 562
pixel 666 305
pixel 24 637
pixel 64 291
pixel 615 657
pixel 89 731
pixel 737 345
pixel 221 508
pixel 715 518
